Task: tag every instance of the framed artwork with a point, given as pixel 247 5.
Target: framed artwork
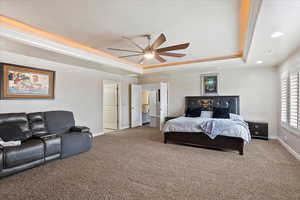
pixel 20 82
pixel 210 84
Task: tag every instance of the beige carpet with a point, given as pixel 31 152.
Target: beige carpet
pixel 135 164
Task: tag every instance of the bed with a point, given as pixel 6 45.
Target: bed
pixel 197 137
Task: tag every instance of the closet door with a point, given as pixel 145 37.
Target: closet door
pixel 110 106
pixel 136 105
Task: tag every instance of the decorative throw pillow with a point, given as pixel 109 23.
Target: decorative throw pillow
pixel 10 132
pixel 221 113
pixel 196 112
pixel 206 114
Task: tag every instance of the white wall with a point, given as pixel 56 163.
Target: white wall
pixel 256 86
pixel 154 86
pixel 290 138
pixel 76 89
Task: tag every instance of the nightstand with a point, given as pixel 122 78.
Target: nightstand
pixel 258 130
pixel 169 118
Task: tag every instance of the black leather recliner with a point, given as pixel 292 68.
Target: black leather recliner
pixel 49 136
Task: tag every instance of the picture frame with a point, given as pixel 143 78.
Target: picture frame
pixel 22 82
pixel 210 84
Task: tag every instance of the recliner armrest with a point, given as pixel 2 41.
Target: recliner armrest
pixel 81 129
pixel 43 137
pixel 1 159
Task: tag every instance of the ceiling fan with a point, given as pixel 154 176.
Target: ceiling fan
pixel 152 51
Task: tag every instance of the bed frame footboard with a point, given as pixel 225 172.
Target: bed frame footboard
pixel 202 140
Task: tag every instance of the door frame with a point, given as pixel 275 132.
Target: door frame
pixel 158 88
pixel 168 96
pixel 119 121
pixel 168 101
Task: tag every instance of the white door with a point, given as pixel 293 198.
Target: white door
pixel 136 105
pixel 110 106
pixel 163 103
pixel 152 103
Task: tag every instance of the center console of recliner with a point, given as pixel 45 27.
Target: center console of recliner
pixel 50 135
pixel 52 142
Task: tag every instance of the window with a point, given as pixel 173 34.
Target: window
pixel 294 100
pixel 284 88
pixel 290 105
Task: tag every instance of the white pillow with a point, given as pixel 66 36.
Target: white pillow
pixel 235 117
pixel 206 114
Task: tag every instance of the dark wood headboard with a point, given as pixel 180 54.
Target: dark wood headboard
pixel 209 102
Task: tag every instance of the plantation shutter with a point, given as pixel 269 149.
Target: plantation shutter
pixel 284 94
pixel 294 100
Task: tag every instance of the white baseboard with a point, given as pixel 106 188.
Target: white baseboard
pixel 273 137
pixel 289 149
pixel 124 127
pixel 97 134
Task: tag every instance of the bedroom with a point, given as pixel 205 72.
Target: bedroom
pixel 248 48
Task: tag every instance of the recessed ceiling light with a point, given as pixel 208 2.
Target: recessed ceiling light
pixel 277 34
pixel 259 62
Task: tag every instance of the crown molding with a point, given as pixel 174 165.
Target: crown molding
pixel 205 65
pixel 202 60
pixel 26 34
pixel 255 7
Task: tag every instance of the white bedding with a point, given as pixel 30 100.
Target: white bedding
pixel 191 124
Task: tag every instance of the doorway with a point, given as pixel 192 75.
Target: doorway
pixel 111 98
pixel 149 104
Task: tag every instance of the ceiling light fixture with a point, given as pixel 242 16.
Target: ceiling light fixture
pixel 277 34
pixel 259 62
pixel 153 50
pixel 149 55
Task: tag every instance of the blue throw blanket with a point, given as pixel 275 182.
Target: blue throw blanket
pixel 214 127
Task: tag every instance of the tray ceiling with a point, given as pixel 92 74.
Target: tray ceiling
pixel 211 26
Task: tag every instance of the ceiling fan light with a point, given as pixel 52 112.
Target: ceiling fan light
pixel 149 55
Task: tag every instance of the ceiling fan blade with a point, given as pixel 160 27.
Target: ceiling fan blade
pixel 131 55
pixel 172 54
pixel 135 44
pixel 159 41
pixel 159 58
pixel 175 47
pixel 142 60
pixel 114 49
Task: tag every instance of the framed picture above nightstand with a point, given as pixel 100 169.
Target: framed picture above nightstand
pixel 258 130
